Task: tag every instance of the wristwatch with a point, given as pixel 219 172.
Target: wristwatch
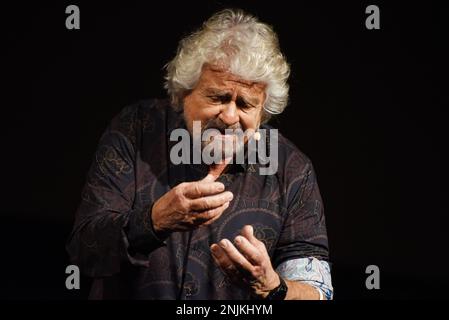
pixel 278 293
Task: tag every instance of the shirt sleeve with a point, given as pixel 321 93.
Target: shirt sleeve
pixel 108 229
pixel 311 271
pixel 304 230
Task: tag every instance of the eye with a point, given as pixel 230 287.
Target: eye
pixel 242 104
pixel 215 99
pixel 219 98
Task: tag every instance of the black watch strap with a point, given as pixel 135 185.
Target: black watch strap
pixel 278 293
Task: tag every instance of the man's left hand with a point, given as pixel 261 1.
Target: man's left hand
pixel 246 261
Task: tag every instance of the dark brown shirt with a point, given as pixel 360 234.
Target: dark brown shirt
pixel 113 240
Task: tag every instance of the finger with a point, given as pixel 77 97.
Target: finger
pixel 211 177
pixel 226 265
pixel 220 257
pixel 202 188
pixel 209 216
pixel 235 256
pixel 248 250
pixel 248 233
pixel 215 170
pixel 210 202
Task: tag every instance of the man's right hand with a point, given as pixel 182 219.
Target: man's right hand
pixel 190 205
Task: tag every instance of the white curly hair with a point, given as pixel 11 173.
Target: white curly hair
pixel 241 44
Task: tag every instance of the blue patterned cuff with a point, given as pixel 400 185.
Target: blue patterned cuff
pixel 309 270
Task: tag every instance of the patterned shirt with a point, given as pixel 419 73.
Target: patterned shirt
pixel 113 240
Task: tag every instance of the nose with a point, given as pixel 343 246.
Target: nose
pixel 229 114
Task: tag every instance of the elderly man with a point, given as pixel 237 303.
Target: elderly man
pixel 150 228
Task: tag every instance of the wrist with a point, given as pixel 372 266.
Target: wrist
pixel 279 292
pixel 275 282
pixel 157 229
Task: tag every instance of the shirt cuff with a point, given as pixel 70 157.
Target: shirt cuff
pixel 312 271
pixel 140 232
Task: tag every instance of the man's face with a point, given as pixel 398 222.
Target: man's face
pixel 222 101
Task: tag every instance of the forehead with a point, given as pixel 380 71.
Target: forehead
pixel 222 79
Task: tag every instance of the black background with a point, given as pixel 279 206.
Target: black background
pixel 367 106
